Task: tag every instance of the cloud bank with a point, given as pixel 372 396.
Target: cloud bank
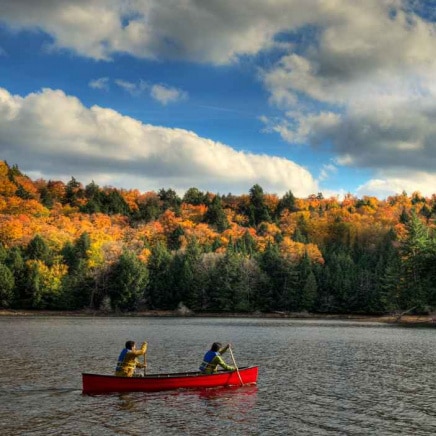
pixel 55 134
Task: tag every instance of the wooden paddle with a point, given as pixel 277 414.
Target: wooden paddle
pixel 145 363
pixel 236 366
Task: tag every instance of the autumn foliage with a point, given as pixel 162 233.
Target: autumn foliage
pixel 66 246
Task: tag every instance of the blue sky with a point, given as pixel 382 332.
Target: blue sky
pixel 331 96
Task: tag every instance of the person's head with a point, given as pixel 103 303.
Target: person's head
pixel 216 346
pixel 130 345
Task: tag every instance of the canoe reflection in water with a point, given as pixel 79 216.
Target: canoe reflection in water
pixel 227 397
pixel 221 407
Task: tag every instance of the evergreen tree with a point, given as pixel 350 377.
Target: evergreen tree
pixel 3 253
pixel 160 285
pixel 286 202
pixel 258 210
pixel 281 293
pixel 33 287
pixel 127 282
pixel 301 233
pixel 7 284
pixel 14 261
pixel 206 292
pixel 307 284
pixel 22 193
pixel 38 249
pixel 93 193
pixel 385 260
pixel 426 212
pixel 148 210
pixel 215 215
pixel 309 293
pixel 246 245
pixel 79 284
pixel 431 271
pixel 252 282
pixel 75 255
pixel 14 171
pixel 170 200
pixel 341 280
pixel 79 288
pixel 194 196
pixel 188 285
pixel 73 192
pixel 226 282
pixel 390 285
pixel 46 197
pixel 192 284
pixel 113 203
pixel 416 265
pixel 174 238
pixel 182 271
pixel 404 217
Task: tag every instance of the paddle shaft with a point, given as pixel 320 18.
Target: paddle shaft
pixel 236 366
pixel 145 363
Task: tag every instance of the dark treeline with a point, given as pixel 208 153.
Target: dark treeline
pixel 69 247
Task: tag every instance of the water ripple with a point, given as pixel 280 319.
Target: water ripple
pixel 315 378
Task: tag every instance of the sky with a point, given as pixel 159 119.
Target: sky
pixel 308 96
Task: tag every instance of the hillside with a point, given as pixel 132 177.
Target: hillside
pixel 69 246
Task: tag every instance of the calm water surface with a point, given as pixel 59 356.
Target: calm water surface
pixel 315 377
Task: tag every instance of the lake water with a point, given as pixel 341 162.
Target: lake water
pixel 315 377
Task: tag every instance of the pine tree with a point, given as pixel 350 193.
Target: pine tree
pixel 127 283
pixel 258 210
pixel 159 292
pixel 215 215
pixel 38 249
pixel 286 202
pixel 7 283
pixel 309 293
pixel 417 265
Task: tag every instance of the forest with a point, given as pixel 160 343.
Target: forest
pixel 66 246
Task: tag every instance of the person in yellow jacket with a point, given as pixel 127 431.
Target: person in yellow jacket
pixel 127 361
pixel 213 358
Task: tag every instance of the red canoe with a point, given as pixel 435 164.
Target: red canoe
pixel 96 383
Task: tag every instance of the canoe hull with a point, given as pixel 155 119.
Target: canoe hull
pixel 96 383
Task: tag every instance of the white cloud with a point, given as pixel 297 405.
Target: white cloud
pixel 130 87
pixel 392 135
pixel 57 135
pixel 391 183
pixel 365 90
pixel 327 170
pixel 360 50
pixel 299 128
pixel 164 94
pixel 212 31
pixel 101 83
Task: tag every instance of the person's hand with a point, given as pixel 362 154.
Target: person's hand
pixel 144 343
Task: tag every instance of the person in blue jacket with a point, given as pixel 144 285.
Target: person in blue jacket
pixel 212 359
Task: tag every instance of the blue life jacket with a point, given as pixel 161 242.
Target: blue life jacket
pixel 121 359
pixel 207 359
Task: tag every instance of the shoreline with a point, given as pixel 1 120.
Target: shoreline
pixel 408 320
